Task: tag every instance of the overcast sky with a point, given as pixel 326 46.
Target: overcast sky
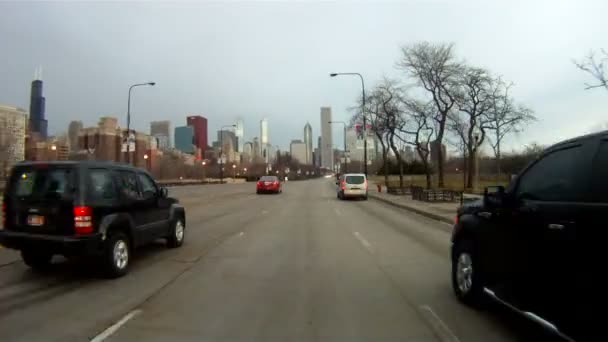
pixel 252 60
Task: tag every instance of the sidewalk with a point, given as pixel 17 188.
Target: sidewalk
pixel 439 211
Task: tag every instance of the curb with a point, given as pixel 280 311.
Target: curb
pixel 415 210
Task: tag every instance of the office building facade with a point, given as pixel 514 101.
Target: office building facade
pixel 327 158
pixel 297 149
pixel 73 130
pixel 184 139
pixel 13 125
pixel 239 131
pixel 37 123
pixel 199 125
pixel 161 130
pixel 308 143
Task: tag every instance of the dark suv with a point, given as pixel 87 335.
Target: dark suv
pixel 98 209
pixel 518 245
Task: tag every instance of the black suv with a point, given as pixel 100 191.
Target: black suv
pixel 95 209
pixel 518 245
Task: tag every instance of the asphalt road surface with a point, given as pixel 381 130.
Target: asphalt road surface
pixel 296 266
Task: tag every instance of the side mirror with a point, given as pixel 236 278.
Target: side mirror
pixel 164 193
pixel 494 196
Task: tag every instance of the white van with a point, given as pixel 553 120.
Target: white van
pixel 352 185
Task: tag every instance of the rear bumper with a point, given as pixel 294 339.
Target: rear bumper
pixel 354 193
pixel 269 189
pixel 66 245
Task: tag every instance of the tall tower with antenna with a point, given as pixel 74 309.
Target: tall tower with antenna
pixel 37 123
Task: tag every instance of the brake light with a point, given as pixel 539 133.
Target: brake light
pixel 456 219
pixel 276 183
pixel 83 220
pixel 366 184
pixel 343 185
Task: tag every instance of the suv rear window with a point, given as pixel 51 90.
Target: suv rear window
pixel 42 183
pixel 355 179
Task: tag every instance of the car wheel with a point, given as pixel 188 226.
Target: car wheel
pixel 117 255
pixel 365 198
pixel 178 232
pixel 467 280
pixel 37 260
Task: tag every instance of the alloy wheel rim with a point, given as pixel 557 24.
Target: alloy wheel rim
pixel 121 254
pixel 464 272
pixel 179 230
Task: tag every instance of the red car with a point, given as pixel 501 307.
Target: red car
pixel 269 184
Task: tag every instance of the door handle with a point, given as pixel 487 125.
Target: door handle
pixel 555 226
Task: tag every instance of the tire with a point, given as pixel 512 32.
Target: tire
pixel 177 234
pixel 365 198
pixel 37 260
pixel 117 255
pixel 467 280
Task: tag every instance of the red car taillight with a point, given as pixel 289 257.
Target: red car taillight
pixel 343 185
pixel 276 183
pixel 83 220
pixel 366 184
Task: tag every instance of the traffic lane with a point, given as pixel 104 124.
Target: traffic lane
pixel 30 302
pixel 294 274
pixel 414 251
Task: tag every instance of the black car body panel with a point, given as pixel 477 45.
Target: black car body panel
pixel 525 238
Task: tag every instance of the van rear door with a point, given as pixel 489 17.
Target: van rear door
pixel 40 199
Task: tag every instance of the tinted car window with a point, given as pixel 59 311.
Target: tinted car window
pixel 43 183
pixel 600 172
pixel 147 185
pixel 101 185
pixel 355 179
pixel 128 185
pixel 558 176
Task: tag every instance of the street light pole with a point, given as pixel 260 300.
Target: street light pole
pixel 362 112
pixel 129 116
pixel 222 151
pixel 344 124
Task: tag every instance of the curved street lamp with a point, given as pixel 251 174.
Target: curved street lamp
pixel 129 114
pixel 334 74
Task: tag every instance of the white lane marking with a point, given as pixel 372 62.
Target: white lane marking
pixel 114 327
pixel 241 234
pixel 364 242
pixel 439 327
pixel 338 212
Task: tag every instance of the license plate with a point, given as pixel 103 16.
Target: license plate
pixel 35 220
pixel 267 183
pixel 355 188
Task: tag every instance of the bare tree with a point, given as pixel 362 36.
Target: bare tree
pixel 596 67
pixel 419 130
pixel 504 118
pixel 378 122
pixel 435 69
pixel 390 96
pixel 474 100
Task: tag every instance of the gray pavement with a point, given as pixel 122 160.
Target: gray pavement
pixel 296 266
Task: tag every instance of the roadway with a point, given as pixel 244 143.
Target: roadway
pixel 296 266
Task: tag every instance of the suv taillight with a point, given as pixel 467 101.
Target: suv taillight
pixel 83 220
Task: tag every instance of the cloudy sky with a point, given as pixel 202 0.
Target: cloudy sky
pixel 252 60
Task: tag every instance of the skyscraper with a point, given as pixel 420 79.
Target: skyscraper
pixel 161 130
pixel 12 137
pixel 184 139
pixel 264 139
pixel 327 158
pixel 199 124
pixel 308 143
pixel 73 130
pixel 297 149
pixel 38 123
pixel 240 134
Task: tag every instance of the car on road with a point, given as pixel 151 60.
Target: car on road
pixel 99 210
pixel 269 184
pixel 517 246
pixel 352 185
